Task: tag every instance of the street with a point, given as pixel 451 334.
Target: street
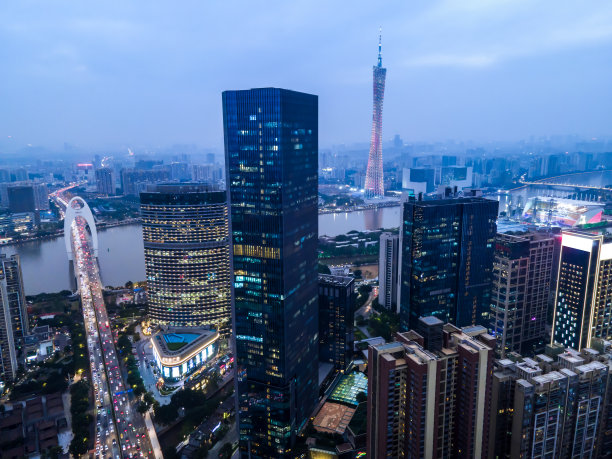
pixel 120 430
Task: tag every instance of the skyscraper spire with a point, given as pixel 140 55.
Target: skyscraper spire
pixel 374 183
pixel 380 47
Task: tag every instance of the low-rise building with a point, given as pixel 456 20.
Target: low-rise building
pixel 180 351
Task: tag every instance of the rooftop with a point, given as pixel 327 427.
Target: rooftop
pixel 333 418
pixel 348 387
pixel 431 320
pixel 341 281
pixel 178 341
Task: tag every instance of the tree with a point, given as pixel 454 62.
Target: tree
pixel 165 414
pixel 142 408
pixel 364 289
pixel 148 398
pixel 226 451
pixel 213 382
pixel 170 453
pixel 201 452
pixel 323 269
pixel 361 397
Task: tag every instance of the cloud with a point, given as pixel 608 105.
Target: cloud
pixel 452 60
pixel 474 34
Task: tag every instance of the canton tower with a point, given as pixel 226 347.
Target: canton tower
pixel 374 184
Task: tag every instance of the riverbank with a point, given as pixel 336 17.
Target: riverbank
pixel 371 206
pixel 60 233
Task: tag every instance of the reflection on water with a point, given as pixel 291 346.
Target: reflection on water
pixel 45 265
pixel 365 220
pixel 46 269
pixel 121 254
pixel 373 219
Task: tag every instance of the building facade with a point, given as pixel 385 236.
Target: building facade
pixel 446 258
pixel 179 352
pixel 583 304
pixel 522 278
pixel 105 182
pixel 187 256
pixel 14 325
pixel 430 399
pixel 336 322
pixel 374 182
pixel 21 198
pixel 388 269
pixel 271 148
pixel 556 405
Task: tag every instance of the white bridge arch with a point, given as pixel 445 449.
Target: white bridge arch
pixel 84 212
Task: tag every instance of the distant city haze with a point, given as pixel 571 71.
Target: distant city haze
pixel 148 74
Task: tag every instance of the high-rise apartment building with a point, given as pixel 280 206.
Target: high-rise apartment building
pixel 374 182
pixel 429 393
pixel 14 324
pixel 583 304
pixel 271 148
pixel 187 255
pixel 26 197
pixel 105 182
pixel 446 258
pixel 522 277
pixel 336 329
pixel 21 198
pixel 555 406
pixel 388 268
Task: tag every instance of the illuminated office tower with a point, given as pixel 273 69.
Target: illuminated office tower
pixel 271 143
pixel 583 303
pixel 336 311
pixel 446 259
pixel 14 324
pixel 186 244
pixel 374 184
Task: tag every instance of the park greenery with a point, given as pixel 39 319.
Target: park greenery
pixel 193 403
pixel 81 420
pixel 52 375
pixel 385 323
pixel 134 379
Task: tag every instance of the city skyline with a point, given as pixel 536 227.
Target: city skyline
pixel 94 67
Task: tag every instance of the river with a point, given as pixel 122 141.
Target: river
pixel 45 265
pixel 121 254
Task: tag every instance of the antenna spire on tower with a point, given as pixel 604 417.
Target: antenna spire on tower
pixel 380 47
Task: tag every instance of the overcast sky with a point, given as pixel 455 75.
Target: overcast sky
pixel 151 73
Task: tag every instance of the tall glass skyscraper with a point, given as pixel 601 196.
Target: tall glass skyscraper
pixel 447 251
pixel 271 143
pixel 187 259
pixel 583 299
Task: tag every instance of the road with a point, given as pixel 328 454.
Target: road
pixel 365 310
pixel 120 430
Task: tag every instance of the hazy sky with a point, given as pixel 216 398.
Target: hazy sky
pixel 136 73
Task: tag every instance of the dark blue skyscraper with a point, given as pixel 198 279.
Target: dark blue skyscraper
pixel 271 148
pixel 447 251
